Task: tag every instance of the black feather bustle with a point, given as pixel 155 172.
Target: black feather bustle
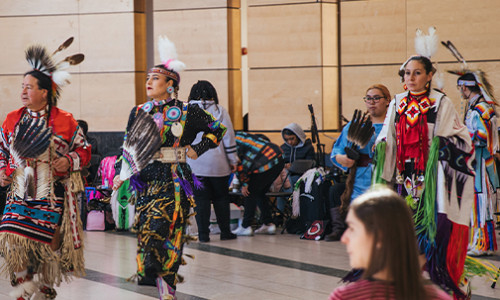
pixel 32 139
pixel 143 139
pixel 39 59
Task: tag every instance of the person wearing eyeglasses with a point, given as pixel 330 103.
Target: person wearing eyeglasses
pixel 377 100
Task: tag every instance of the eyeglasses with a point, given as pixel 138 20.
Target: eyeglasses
pixel 375 99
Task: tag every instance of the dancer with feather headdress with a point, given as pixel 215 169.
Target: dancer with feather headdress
pixel 157 141
pixel 42 151
pixel 426 149
pixel 353 152
pixel 482 122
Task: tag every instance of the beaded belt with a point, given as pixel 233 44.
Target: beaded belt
pixel 170 155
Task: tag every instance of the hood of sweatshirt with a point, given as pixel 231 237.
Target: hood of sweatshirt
pixel 299 132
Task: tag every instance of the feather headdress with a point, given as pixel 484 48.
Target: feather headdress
pixel 426 46
pixel 168 57
pixel 39 59
pixel 481 79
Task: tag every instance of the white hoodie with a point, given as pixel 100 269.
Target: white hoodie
pixel 215 162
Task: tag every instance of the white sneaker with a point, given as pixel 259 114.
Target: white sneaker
pixel 266 229
pixel 242 231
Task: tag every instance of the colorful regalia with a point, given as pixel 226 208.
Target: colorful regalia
pixel 30 222
pixel 41 231
pixel 481 121
pixel 425 148
pixel 164 190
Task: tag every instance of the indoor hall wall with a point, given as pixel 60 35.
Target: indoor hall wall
pixel 207 38
pixel 110 33
pixel 378 36
pixel 292 59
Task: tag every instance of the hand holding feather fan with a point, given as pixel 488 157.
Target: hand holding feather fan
pixel 359 134
pixel 143 140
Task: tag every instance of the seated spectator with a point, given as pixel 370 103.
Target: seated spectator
pixel 296 146
pixel 260 163
pixel 377 98
pixel 387 255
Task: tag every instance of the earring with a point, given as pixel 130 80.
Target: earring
pixel 427 85
pixel 170 89
pixel 405 87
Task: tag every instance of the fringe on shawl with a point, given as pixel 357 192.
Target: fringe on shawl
pixel 425 215
pixel 72 261
pixel 379 161
pixel 20 252
pixel 480 267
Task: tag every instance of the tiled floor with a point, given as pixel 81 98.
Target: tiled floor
pixel 275 267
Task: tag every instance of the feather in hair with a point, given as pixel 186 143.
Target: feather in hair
pixel 488 88
pixel 64 45
pixel 438 77
pixel 168 55
pixel 419 42
pixel 454 51
pixel 61 77
pixel 39 59
pixel 426 45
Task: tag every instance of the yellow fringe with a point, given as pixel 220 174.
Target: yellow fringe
pixel 20 252
pixel 76 183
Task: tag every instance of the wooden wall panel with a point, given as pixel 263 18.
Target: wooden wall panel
pixel 48 31
pixel 200 36
pixel 329 35
pixel 10 87
pixel 472 28
pixel 373 32
pixel 286 35
pixel 330 104
pixel 38 7
pixel 355 81
pixel 278 97
pixel 113 49
pixel 108 6
pixel 191 4
pixel 279 2
pixel 107 100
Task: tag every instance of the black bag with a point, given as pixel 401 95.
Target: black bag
pixel 313 205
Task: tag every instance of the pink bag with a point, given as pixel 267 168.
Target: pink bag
pixel 95 220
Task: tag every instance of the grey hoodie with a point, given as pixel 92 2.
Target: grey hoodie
pixel 215 162
pixel 304 150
